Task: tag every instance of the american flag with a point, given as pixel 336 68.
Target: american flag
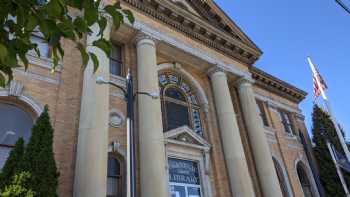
pixel 318 87
pixel 318 82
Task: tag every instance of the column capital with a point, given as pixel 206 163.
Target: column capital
pixel 142 38
pixel 215 70
pixel 244 81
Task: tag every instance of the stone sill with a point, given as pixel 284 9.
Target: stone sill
pixel 43 62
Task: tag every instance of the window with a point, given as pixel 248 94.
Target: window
pixel 304 180
pixel 15 123
pixel 287 122
pixel 179 104
pixel 114 177
pixel 43 46
pixel 262 112
pixel 281 179
pixel 184 179
pixel 116 63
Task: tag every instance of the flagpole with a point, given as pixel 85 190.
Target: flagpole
pixel 328 107
pixel 340 174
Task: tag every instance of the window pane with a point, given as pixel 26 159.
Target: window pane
pixel 42 46
pixel 176 115
pixel 194 192
pixel 175 94
pixel 14 123
pixel 115 67
pixel 116 60
pixel 113 167
pixel 112 186
pixel 116 52
pixel 177 191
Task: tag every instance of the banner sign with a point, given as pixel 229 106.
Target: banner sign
pixel 182 171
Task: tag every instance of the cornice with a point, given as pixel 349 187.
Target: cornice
pixel 197 29
pixel 277 86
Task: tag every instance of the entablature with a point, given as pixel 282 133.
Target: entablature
pixel 277 86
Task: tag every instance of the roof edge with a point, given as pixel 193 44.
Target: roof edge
pixel 278 86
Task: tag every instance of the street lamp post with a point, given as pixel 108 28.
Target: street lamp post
pixel 129 98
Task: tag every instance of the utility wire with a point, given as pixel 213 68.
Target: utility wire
pixel 343 5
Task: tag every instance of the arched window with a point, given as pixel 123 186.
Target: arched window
pixel 281 179
pixel 15 123
pixel 304 180
pixel 114 177
pixel 179 104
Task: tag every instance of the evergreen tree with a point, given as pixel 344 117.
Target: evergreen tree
pixel 323 128
pixel 12 163
pixel 39 160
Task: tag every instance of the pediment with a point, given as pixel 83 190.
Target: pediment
pixel 217 17
pixel 205 22
pixel 186 136
pixel 210 12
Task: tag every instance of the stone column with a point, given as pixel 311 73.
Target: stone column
pixel 236 163
pixel 153 174
pixel 91 160
pixel 258 141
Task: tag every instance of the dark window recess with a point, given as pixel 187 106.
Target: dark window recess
pixel 287 122
pixel 116 63
pixel 114 178
pixel 175 94
pixel 176 116
pixel 262 113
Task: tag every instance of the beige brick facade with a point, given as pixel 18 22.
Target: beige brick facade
pixel 62 92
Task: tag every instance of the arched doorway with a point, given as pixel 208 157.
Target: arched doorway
pixel 304 180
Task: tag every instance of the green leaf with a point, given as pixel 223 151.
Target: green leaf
pixel 31 23
pixel 54 8
pixel 24 59
pixel 44 29
pixel 90 12
pixel 102 23
pixel 2 80
pixel 60 50
pixel 94 60
pixel 54 58
pixel 104 45
pixel 84 55
pixel 3 52
pixel 75 3
pixel 66 28
pixel 80 24
pixel 116 15
pixel 129 15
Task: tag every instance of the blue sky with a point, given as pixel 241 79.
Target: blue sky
pixel 288 31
